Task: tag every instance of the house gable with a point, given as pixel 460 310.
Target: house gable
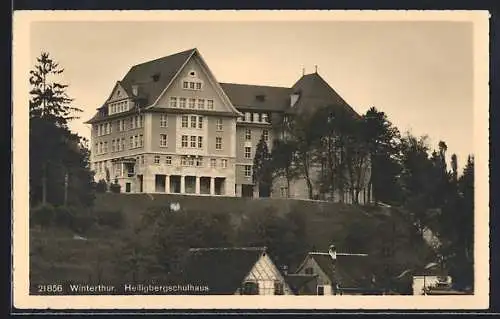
pixel 118 93
pixel 265 273
pixel 195 72
pixel 310 263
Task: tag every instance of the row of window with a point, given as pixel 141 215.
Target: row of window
pixel 118 107
pixel 192 160
pixel 118 144
pixel 192 141
pixel 254 117
pixel 191 103
pixel 192 121
pixel 192 85
pixel 131 123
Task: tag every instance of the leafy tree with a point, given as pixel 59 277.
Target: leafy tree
pixel 282 161
pixel 262 170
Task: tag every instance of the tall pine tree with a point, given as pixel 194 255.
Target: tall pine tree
pixel 262 170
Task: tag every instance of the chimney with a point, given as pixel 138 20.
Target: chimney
pixel 315 69
pixel 303 71
pixel 135 89
pixel 284 268
pixel 332 251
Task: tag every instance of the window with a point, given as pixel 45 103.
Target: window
pixel 198 85
pixel 248 170
pixel 265 135
pixel 99 130
pixel 192 103
pixel 213 162
pixel 105 147
pixel 110 127
pixel 201 104
pixel 136 122
pixel 182 102
pixel 113 145
pixel 218 143
pixel 136 141
pixel 255 117
pixel 163 120
pixel 168 160
pixel 190 160
pixel 184 141
pixel 191 85
pixel 248 134
pixel 185 85
pixel 321 290
pixel 284 191
pixel 163 140
pixel 96 148
pixel 219 125
pixel 199 161
pixel 193 141
pixel 309 271
pixel 250 288
pixel 184 121
pixel 141 140
pixel 200 141
pixel 264 118
pixel 223 163
pixel 210 104
pixel 173 101
pixel 248 152
pixel 200 122
pixel 123 144
pixel 131 123
pixel 157 159
pixel 131 142
pixel 278 288
pixel 99 151
pixel 142 159
pixel 247 116
pixel 193 121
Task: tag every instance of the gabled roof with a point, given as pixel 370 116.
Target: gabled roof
pixel 302 283
pixel 349 271
pixel 221 269
pixel 258 97
pixel 314 93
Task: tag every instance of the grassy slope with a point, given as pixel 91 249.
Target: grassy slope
pixel 57 256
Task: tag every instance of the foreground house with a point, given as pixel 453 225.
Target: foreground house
pixel 170 127
pixel 338 273
pixel 233 271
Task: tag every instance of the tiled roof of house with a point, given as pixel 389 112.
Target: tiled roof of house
pixel 269 98
pixel 349 271
pixel 221 269
pixel 302 283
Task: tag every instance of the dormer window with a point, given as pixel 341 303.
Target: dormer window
pixel 155 77
pixel 260 97
pixel 192 73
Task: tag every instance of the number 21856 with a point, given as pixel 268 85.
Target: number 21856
pixel 49 288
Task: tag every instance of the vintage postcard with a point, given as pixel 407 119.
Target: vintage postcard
pixel 250 160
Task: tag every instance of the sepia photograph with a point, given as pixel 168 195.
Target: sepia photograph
pixel 301 158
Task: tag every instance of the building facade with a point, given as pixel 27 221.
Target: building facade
pixel 170 127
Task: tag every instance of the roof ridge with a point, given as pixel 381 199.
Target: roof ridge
pixel 163 57
pixel 226 248
pixel 265 86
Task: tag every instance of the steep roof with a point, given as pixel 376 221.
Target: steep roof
pixel 221 269
pixel 259 97
pixel 302 283
pixel 315 92
pixel 349 271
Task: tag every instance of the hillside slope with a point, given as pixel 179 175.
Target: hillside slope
pixel 56 256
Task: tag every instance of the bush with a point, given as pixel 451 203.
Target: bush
pixel 81 220
pixel 42 215
pixel 112 218
pixel 101 186
pixel 115 188
pixel 63 216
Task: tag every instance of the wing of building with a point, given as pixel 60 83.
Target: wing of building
pixel 170 127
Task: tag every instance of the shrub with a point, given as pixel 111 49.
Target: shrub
pixel 101 186
pixel 63 216
pixel 115 188
pixel 42 215
pixel 111 218
pixel 81 220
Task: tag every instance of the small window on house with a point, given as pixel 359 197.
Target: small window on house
pixel 198 85
pixel 309 271
pixel 218 143
pixel 168 160
pixel 201 104
pixel 248 152
pixel 184 141
pixel 193 141
pixel 156 77
pixel 192 103
pixel 191 85
pixel 219 125
pixel 200 122
pixel 265 135
pixel 192 73
pixel 248 134
pixel 278 288
pixel 321 290
pixel 248 116
pixel 210 104
pixel 182 102
pixel 193 121
pixel 163 120
pixel 223 163
pixel 163 140
pixel 200 141
pixel 173 101
pixel 213 162
pixel 185 84
pixel 250 288
pixel 199 161
pixel 157 159
pixel 248 170
pixel 184 121
pixel 261 97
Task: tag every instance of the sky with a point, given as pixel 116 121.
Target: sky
pixel 420 73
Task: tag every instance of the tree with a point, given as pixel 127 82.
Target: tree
pixel 282 161
pixel 56 154
pixel 262 170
